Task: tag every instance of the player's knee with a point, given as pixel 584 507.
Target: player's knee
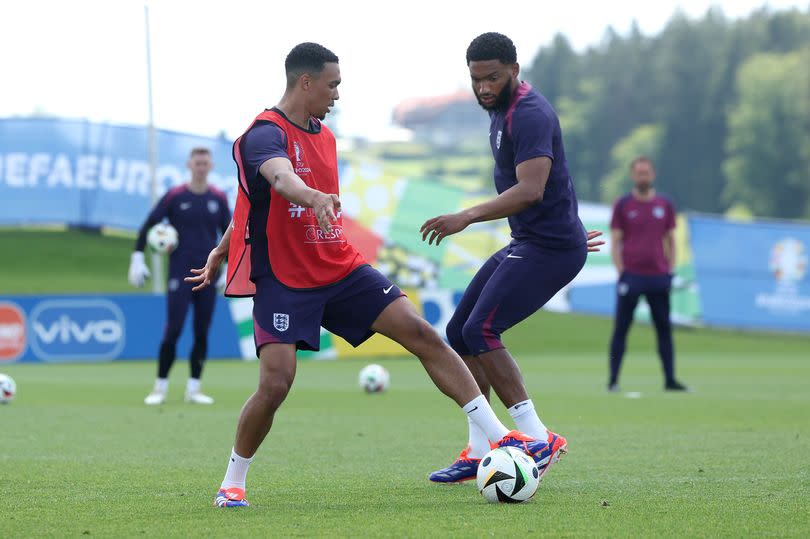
pixel 425 333
pixel 455 334
pixel 419 337
pixel 471 333
pixel 274 389
pixel 477 337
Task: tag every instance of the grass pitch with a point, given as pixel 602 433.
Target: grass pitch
pixel 81 455
pixel 63 261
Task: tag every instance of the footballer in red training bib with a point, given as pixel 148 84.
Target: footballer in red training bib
pixel 272 235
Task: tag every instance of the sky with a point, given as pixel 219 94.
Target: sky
pixel 215 65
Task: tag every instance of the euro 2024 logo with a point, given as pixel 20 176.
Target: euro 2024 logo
pixel 300 167
pixel 788 261
pixel 788 264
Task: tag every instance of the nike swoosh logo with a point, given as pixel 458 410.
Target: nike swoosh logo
pixel 387 290
pixel 185 205
pixel 513 256
pixel 474 409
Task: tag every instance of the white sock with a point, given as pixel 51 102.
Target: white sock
pixel 193 385
pixel 482 414
pixel 527 421
pixel 237 471
pixel 161 385
pixel 479 443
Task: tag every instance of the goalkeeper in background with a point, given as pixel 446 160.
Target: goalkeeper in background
pixel 200 214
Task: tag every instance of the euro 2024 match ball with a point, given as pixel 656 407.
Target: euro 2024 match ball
pixel 162 238
pixel 8 389
pixel 374 378
pixel 507 475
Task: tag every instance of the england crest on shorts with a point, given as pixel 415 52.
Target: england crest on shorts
pixel 281 321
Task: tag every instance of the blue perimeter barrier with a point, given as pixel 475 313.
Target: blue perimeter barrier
pixel 752 275
pixel 100 328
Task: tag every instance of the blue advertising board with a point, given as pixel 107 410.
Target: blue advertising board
pixel 57 329
pixel 752 275
pixel 92 174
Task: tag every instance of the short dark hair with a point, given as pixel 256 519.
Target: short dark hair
pixel 492 46
pixel 307 58
pixel 642 159
pixel 199 150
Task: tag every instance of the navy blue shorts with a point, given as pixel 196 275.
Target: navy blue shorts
pixel 636 284
pixel 511 286
pixel 347 308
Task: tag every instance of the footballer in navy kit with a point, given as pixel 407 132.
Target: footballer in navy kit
pixel 548 248
pixel 199 212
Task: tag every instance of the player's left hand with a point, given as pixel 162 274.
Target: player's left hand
pixel 443 225
pixel 593 243
pixel 202 276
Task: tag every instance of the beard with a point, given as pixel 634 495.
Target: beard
pixel 643 188
pixel 502 100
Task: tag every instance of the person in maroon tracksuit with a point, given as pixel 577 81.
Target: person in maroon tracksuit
pixel 643 250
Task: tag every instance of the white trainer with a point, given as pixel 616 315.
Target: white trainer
pixel 155 398
pixel 198 397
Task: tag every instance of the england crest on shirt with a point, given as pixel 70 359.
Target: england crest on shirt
pixel 281 321
pixel 213 206
pixel 658 212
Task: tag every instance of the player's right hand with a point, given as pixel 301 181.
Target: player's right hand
pixel 202 276
pixel 326 208
pixel 593 243
pixel 138 272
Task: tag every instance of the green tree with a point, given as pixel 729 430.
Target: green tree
pixel 555 69
pixel 768 164
pixel 574 114
pixel 683 80
pixel 688 57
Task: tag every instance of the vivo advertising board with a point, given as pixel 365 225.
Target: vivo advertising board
pixel 100 328
pixel 752 275
pixel 77 329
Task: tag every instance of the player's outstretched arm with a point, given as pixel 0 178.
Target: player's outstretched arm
pixel 279 172
pixel 203 276
pixel 532 176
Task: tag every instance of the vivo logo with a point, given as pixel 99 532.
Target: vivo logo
pixel 65 330
pixel 80 329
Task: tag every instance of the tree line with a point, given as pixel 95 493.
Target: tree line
pixel 722 106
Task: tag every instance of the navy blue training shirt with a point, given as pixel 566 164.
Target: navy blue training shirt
pixel 530 128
